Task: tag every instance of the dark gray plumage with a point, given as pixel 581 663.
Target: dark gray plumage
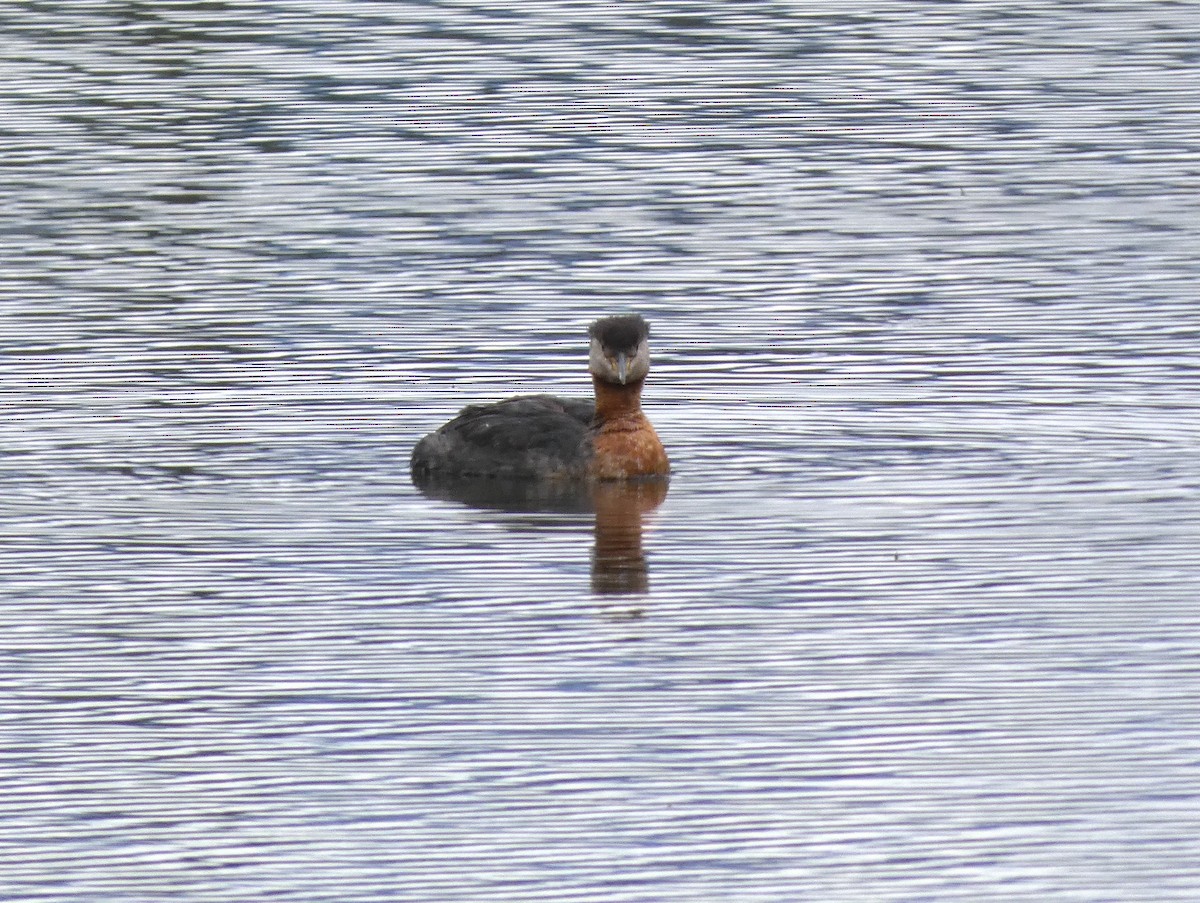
pixel 518 438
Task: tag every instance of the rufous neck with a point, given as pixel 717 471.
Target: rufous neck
pixel 615 400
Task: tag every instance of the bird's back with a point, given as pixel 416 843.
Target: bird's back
pixel 529 437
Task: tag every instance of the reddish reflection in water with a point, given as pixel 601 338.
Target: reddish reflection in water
pixel 619 565
pixel 618 561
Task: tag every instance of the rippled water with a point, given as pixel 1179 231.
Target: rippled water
pixel 917 618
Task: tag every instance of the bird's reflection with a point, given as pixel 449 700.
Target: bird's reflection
pixel 619 565
pixel 618 561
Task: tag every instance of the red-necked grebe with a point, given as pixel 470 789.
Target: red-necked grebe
pixel 535 437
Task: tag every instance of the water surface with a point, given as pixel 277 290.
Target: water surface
pixel 916 619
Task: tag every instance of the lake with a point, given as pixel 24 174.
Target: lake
pixel 917 617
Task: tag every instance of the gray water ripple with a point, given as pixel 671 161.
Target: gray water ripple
pixel 919 621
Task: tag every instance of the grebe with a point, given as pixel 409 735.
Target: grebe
pixel 536 437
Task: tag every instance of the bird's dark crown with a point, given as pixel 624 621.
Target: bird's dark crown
pixel 620 333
